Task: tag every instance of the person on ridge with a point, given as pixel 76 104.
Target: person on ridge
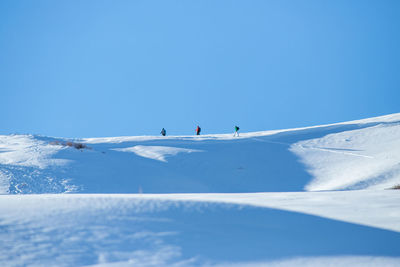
pixel 198 129
pixel 163 132
pixel 236 131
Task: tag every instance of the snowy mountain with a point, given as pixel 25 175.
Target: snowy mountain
pixel 308 196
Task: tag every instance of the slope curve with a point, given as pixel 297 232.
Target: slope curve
pixel 350 155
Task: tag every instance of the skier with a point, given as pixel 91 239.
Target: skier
pixel 198 129
pixel 236 131
pixel 163 132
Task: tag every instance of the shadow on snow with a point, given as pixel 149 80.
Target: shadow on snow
pixel 205 232
pixel 259 164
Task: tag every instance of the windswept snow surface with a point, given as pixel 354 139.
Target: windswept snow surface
pixel 25 150
pixel 156 152
pixel 160 230
pixel 362 158
pixel 30 165
pixel 309 196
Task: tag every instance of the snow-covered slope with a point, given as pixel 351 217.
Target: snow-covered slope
pixel 141 230
pixel 248 200
pixel 360 154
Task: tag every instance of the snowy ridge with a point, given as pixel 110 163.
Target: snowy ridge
pixel 353 155
pixel 120 139
pixel 353 159
pixel 309 196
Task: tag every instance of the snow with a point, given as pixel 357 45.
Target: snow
pixel 309 196
pixel 25 150
pixel 136 230
pixel 156 152
pixel 366 207
pixel 4 183
pixel 324 261
pixel 363 158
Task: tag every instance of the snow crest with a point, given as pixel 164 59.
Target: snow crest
pixel 357 159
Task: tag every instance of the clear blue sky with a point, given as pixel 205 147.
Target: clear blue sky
pixel 109 68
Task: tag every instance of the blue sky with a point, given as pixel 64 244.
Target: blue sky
pixel 110 68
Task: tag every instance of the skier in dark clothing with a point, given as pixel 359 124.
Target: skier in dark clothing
pixel 198 129
pixel 163 132
pixel 236 131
